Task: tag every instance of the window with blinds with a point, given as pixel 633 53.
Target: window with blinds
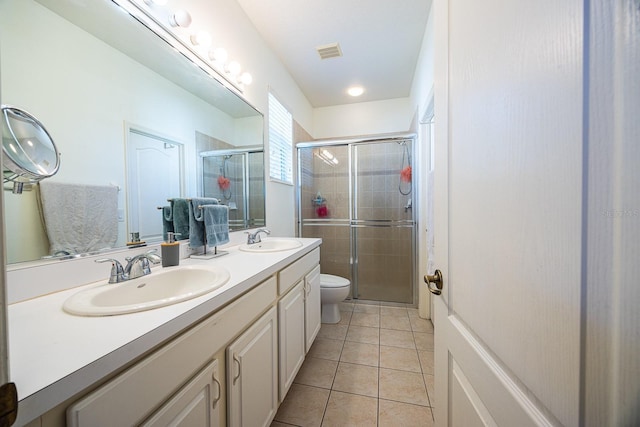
pixel 280 142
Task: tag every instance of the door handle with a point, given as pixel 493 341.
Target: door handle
pixel 436 279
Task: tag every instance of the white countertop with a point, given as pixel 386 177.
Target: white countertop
pixel 54 355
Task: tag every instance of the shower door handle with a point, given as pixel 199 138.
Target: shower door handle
pixel 436 279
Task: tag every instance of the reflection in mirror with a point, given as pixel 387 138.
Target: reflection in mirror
pixel 236 178
pixel 104 70
pixel 29 153
pixel 154 175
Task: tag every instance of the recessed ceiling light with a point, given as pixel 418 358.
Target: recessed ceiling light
pixel 355 90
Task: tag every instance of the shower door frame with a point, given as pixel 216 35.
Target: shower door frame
pixel 353 223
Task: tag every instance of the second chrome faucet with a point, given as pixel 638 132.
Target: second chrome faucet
pixel 253 238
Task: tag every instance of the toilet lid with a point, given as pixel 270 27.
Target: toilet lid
pixel 331 281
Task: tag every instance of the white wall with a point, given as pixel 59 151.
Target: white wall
pixel 364 118
pixel 423 76
pixel 421 94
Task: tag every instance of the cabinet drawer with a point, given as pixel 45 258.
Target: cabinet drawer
pixel 153 380
pixel 292 274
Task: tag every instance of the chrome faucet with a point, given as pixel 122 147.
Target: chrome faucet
pixel 139 264
pixel 253 238
pixel 136 267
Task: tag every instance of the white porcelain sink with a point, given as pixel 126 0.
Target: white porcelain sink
pixel 272 244
pixel 160 288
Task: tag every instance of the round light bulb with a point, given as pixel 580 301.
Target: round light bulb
pixel 219 55
pixel 180 18
pixel 246 78
pixel 355 90
pixel 234 68
pixel 201 38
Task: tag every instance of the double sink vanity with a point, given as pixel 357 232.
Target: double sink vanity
pixel 209 342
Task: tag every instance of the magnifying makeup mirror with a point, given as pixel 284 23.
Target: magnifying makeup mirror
pixel 29 153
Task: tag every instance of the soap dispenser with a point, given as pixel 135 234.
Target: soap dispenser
pixel 170 251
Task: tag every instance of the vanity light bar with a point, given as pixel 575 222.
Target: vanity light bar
pixel 142 11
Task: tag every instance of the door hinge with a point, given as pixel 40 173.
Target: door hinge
pixel 8 404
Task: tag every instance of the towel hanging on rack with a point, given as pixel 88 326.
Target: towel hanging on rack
pixel 79 218
pixel 216 224
pixel 180 213
pixel 196 218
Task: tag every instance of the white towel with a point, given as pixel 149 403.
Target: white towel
pixel 79 218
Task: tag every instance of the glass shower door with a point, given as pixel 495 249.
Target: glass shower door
pixel 384 267
pixel 356 199
pixel 325 205
pixel 383 226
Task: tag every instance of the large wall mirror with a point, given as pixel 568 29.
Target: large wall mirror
pixel 95 76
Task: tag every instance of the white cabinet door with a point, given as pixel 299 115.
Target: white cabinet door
pixel 196 404
pixel 292 342
pixel 312 307
pixel 252 374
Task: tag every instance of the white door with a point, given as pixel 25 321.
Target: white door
pixel 508 179
pixel 154 174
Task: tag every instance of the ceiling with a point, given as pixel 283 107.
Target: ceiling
pixel 380 42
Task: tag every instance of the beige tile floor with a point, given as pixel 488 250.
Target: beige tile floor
pixel 374 368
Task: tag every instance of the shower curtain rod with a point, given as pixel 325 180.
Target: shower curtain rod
pixel 379 138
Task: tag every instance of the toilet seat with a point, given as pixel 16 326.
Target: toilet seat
pixel 331 281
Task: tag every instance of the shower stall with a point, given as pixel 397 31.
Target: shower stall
pixel 236 178
pixel 358 196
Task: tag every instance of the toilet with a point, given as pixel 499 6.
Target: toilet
pixel 333 290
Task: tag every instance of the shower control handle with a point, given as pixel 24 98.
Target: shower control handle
pixel 436 279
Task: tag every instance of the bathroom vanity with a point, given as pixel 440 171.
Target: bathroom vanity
pixel 224 358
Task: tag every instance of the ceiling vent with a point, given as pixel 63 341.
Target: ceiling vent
pixel 329 51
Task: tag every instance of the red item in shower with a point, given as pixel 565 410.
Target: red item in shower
pixel 223 183
pixel 405 174
pixel 322 211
